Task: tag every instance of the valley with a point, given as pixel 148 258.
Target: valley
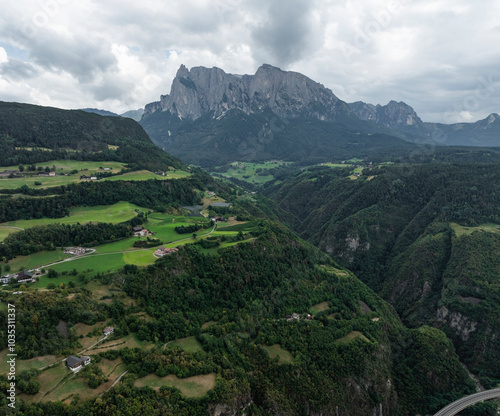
pixel 323 266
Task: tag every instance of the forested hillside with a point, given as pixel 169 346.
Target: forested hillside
pixel 354 351
pixel 31 134
pixel 422 236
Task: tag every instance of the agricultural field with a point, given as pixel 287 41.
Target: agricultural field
pixel 254 173
pixel 130 341
pixel 196 386
pixel 189 344
pixel 119 212
pixel 320 307
pixel 63 169
pixel 350 337
pixel 276 351
pixel 485 228
pixel 113 256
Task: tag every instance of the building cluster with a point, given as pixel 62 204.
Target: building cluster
pixel 8 172
pixel 88 178
pixel 77 251
pixel 24 276
pixel 140 231
pixel 164 251
pixel 75 364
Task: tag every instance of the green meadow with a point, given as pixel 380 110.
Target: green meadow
pixel 255 173
pixel 83 168
pixel 119 212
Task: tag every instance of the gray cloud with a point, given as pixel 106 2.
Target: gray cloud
pixel 121 54
pixel 285 36
pixel 84 57
pixel 15 69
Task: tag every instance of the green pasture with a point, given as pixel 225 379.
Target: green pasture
pixel 350 337
pixel 37 259
pixel 488 228
pixel 119 212
pixel 320 307
pixel 196 386
pixel 189 344
pixel 247 171
pixel 276 351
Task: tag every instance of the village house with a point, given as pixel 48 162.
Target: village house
pixel 108 330
pixel 7 278
pixel 88 178
pixel 24 277
pixel 52 174
pixel 77 251
pixel 7 173
pixel 292 317
pixel 139 231
pixel 76 363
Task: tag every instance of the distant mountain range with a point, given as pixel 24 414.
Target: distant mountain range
pixel 133 114
pixel 211 117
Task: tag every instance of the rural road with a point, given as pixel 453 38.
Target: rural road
pixel 455 407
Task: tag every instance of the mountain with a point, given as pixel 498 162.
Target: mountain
pixel 134 114
pixel 100 112
pixel 32 134
pixel 403 118
pixel 211 117
pixel 422 236
pixel 201 91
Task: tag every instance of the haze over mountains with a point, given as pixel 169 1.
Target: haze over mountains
pixel 227 109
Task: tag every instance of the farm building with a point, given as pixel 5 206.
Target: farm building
pixel 76 363
pixel 108 330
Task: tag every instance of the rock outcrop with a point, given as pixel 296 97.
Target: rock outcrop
pixel 201 91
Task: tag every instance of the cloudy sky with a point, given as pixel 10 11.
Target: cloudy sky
pixel 440 56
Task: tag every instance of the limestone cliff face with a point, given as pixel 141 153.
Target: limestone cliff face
pixel 394 115
pixel 202 91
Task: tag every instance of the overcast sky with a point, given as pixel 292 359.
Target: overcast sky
pixel 442 57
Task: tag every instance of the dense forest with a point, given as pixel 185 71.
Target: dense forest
pixel 248 290
pixel 412 233
pixel 33 134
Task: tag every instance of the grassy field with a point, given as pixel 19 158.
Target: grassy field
pixel 113 256
pixel 66 166
pixel 350 337
pixel 130 341
pixel 461 230
pixel 49 379
pixel 247 171
pixel 119 212
pixel 83 167
pixel 190 344
pixel 144 175
pixel 196 386
pixel 320 307
pixel 276 351
pixel 36 259
pixel 21 365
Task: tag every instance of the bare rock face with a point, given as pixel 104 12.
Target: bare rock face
pixel 202 91
pixel 461 324
pixel 394 115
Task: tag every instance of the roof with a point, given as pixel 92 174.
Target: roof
pixel 138 228
pixel 108 329
pixel 73 361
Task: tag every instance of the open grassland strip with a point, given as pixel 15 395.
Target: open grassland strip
pixel 116 213
pixel 196 386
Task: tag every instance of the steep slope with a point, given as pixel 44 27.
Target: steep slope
pixel 31 134
pixel 410 233
pixel 355 357
pixel 211 117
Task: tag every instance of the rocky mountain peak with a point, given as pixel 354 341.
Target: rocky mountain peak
pixel 396 115
pixel 202 91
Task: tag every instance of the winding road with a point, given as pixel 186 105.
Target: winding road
pixel 461 404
